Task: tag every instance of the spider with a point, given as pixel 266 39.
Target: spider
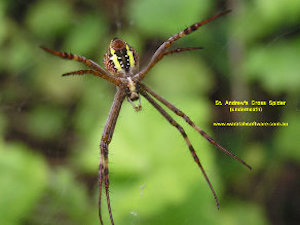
pixel 122 70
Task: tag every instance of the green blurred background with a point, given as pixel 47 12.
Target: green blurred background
pixel 51 126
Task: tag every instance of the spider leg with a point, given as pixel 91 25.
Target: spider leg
pixel 95 73
pixel 105 140
pixel 187 140
pixel 100 184
pixel 158 55
pixel 192 124
pixel 194 27
pixel 178 50
pixel 87 62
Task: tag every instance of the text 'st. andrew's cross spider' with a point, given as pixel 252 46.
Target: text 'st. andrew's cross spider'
pixel 122 63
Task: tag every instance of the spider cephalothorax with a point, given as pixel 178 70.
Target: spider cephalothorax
pixel 121 62
pixel 132 92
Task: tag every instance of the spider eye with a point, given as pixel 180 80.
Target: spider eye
pixel 127 91
pixel 121 58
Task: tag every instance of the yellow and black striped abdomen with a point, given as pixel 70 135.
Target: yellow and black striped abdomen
pixel 121 59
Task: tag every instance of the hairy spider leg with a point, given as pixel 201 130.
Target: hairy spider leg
pixel 95 73
pixel 187 140
pixel 192 124
pixel 178 50
pixel 105 140
pixel 101 175
pixel 158 55
pixel 87 62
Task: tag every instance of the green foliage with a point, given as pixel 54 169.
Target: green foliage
pixel 51 126
pixel 84 38
pixel 284 146
pixel 19 55
pixel 276 66
pixel 67 197
pixel 244 214
pixel 161 17
pixel 23 180
pixel 47 18
pixel 52 120
pixel 3 23
pixel 261 18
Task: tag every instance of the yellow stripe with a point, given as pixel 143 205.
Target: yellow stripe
pixel 115 59
pixel 131 58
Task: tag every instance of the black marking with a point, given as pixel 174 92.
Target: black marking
pixel 194 27
pixel 128 93
pixel 187 30
pixel 123 59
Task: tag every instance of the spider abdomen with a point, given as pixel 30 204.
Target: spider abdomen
pixel 121 59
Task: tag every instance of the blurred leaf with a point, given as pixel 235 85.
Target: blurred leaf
pixel 165 18
pixel 48 18
pixel 2 21
pixel 20 56
pixel 47 79
pixel 23 177
pixel 86 36
pixel 259 19
pixel 66 197
pixel 181 75
pixel 287 138
pixel 89 122
pixel 256 155
pixel 238 213
pixel 3 124
pixel 275 66
pixel 45 122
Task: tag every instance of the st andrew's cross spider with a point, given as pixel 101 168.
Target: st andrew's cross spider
pixel 122 70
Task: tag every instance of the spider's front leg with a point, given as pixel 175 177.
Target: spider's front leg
pixel 105 76
pixel 70 56
pixel 162 50
pixel 98 71
pixel 105 140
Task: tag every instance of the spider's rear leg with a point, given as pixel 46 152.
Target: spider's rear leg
pixel 104 151
pixel 105 141
pixel 187 140
pixel 192 124
pixel 101 178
